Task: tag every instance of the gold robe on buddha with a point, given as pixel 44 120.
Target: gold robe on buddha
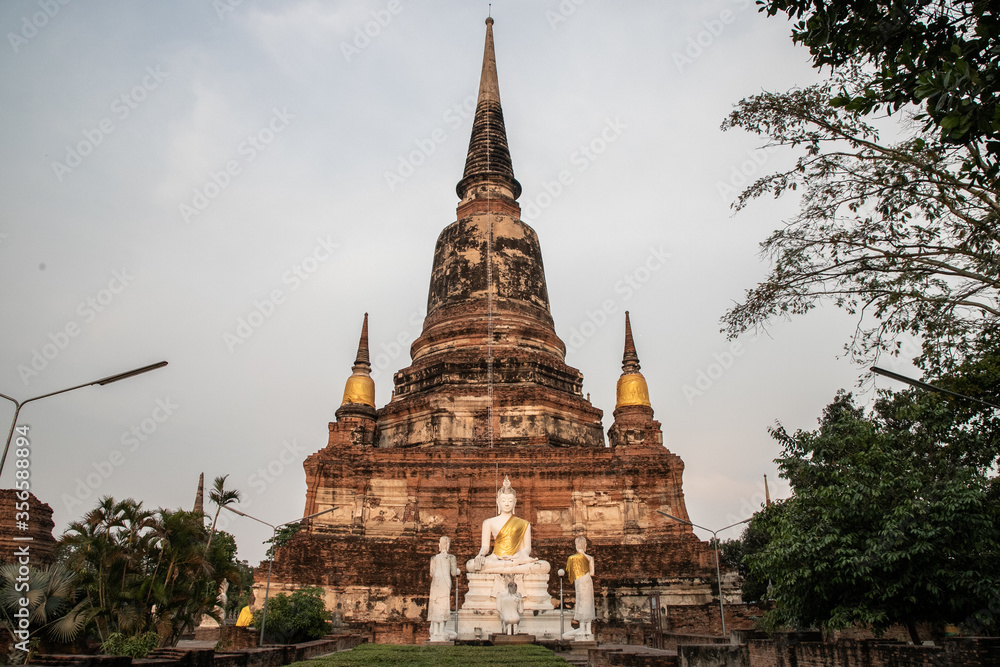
pixel 578 571
pixel 576 566
pixel 508 540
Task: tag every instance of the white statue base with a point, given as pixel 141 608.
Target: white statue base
pixel 478 617
pixel 485 586
pixel 576 636
pixel 480 624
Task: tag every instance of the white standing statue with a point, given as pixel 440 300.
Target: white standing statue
pixel 223 597
pixel 511 538
pixel 443 568
pixel 580 571
pixel 510 606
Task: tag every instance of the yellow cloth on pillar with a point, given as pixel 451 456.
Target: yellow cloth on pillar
pixel 576 566
pixel 508 540
pixel 244 618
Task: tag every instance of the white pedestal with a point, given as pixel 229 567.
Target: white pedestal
pixel 544 625
pixel 478 617
pixel 484 588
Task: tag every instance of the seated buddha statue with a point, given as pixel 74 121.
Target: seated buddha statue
pixel 511 537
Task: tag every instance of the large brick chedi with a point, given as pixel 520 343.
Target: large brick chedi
pixel 487 394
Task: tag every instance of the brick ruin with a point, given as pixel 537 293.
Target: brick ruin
pixel 488 394
pixel 25 521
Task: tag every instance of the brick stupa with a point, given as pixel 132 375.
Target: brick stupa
pixel 489 394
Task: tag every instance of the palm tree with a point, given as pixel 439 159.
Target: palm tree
pixel 55 602
pixel 221 497
pixel 187 588
pixel 110 550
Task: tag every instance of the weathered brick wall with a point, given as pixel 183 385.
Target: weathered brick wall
pixel 712 656
pixel 405 632
pixel 39 527
pixel 957 652
pixel 232 638
pixel 705 619
pixel 630 657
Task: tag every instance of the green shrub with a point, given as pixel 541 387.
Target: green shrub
pixel 299 617
pixel 136 646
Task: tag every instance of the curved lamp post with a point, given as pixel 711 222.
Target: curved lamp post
pixel 102 381
pixel 929 387
pixel 270 561
pixel 718 573
pixel 562 611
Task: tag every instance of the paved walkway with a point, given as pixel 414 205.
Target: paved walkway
pixel 192 643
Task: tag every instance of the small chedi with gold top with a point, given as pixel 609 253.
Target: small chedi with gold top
pixel 488 394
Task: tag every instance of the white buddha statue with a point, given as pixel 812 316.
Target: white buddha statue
pixel 580 570
pixel 511 537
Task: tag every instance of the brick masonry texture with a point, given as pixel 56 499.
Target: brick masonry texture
pixel 42 545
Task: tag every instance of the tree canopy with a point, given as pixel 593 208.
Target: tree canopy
pixel 942 55
pixel 894 516
pixel 904 235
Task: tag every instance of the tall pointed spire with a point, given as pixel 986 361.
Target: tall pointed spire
pixel 488 161
pixel 360 388
pixel 362 357
pixel 632 389
pixel 630 360
pixel 199 498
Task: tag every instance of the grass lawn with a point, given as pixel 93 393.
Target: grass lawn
pixel 371 655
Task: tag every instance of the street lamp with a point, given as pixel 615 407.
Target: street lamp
pixel 270 561
pixel 929 387
pixel 456 603
pixel 562 611
pixel 718 573
pixel 102 382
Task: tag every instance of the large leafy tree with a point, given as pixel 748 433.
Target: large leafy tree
pixel 895 233
pixel 738 553
pixel 895 515
pixel 940 55
pixel 903 233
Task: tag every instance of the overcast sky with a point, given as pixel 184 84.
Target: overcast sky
pixel 229 186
